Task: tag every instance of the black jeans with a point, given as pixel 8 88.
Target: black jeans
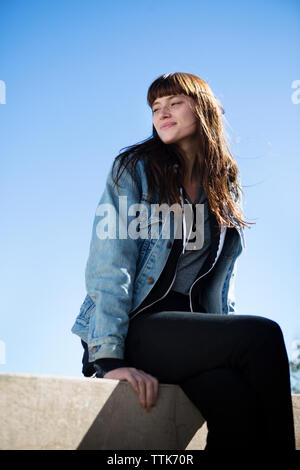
pixel 234 368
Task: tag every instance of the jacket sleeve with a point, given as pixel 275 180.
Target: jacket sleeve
pixel 100 366
pixel 231 291
pixel 110 269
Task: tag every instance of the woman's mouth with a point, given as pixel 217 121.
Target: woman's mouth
pixel 166 126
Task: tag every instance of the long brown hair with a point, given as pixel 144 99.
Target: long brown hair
pixel 165 164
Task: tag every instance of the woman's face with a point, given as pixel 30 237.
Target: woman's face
pixel 174 120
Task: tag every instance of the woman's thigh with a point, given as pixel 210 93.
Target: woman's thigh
pixel 221 393
pixel 174 346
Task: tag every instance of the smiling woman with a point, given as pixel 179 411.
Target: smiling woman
pixel 175 115
pixel 157 311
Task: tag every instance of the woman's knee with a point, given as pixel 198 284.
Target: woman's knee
pixel 262 328
pixel 270 329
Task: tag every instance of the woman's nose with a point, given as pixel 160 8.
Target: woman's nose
pixel 165 111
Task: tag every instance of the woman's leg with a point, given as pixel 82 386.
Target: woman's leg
pixel 177 346
pixel 229 407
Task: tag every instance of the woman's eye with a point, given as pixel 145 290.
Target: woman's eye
pixel 177 102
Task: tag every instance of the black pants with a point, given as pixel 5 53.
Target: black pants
pixel 234 368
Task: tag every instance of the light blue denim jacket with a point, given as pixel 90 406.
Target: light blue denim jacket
pixel 118 270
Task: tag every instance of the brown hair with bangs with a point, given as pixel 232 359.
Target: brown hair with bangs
pixel 165 164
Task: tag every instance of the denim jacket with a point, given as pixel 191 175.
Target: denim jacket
pixel 121 272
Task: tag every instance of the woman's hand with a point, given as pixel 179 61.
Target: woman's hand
pixel 145 385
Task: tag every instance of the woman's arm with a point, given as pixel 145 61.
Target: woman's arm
pixel 100 366
pixel 231 290
pixel 110 269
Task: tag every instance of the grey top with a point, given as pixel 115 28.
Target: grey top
pixel 191 261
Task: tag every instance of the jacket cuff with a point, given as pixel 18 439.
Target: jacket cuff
pixel 105 350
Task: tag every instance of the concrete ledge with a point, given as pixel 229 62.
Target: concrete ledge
pixel 44 412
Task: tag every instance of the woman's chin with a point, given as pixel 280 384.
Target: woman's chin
pixel 169 141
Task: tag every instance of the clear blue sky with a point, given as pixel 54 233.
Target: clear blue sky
pixel 76 76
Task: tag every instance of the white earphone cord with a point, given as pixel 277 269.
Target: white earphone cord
pixel 185 240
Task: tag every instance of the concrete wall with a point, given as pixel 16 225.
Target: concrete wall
pixel 43 412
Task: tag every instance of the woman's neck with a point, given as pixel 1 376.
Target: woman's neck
pixel 193 174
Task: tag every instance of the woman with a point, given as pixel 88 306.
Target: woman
pixel 156 305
